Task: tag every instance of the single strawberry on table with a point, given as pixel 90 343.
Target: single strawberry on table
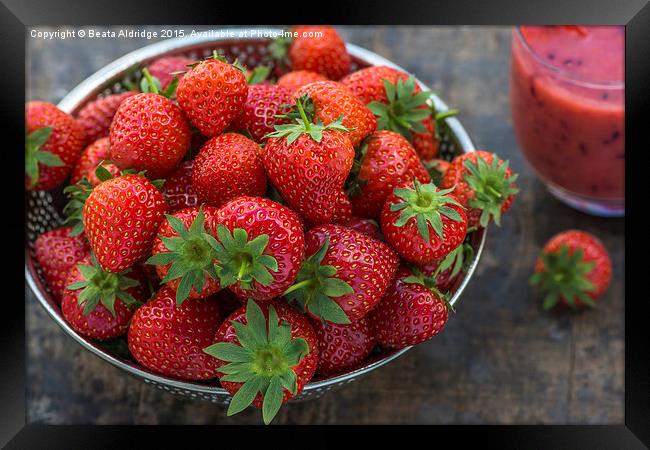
pixel 178 188
pixel 574 269
pixel 266 353
pixel 263 104
pixel 92 156
pixel 96 116
pixel 298 78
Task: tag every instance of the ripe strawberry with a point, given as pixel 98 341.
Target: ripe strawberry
pixel 96 116
pixel 163 68
pixel 260 246
pixel 364 226
pixel 265 353
pixel 228 166
pixel 99 304
pixel 212 94
pixel 437 169
pixel 298 78
pixel 342 208
pixel 178 188
pixel 52 146
pixel 368 83
pixel 331 100
pixel 90 158
pixel 56 252
pixel 308 164
pixel 387 160
pixel 342 347
pixel 573 269
pixel 423 223
pixel 263 105
pixel 169 339
pixel 411 312
pixel 344 276
pixel 449 270
pixel 121 217
pixel 484 185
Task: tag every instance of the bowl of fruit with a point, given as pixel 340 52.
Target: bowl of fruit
pixel 253 221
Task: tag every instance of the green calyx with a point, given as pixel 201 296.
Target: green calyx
pixel 34 155
pixel 458 259
pixel 418 277
pixel 441 128
pixel 149 83
pixel 73 210
pixel 263 361
pixel 259 74
pixel 190 254
pixel 100 286
pixel 491 185
pixel 426 204
pixel 565 277
pixel 279 50
pixel 316 286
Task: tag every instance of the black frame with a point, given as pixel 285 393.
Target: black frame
pixel 16 15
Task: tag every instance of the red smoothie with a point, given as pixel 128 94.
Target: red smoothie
pixel 567 101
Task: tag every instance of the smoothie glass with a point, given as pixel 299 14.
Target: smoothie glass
pixel 567 99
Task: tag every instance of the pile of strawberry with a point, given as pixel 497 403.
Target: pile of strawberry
pixel 254 232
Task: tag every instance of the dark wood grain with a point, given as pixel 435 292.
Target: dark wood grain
pixel 501 359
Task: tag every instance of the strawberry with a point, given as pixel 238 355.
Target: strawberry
pixel 169 339
pixel 90 158
pixel 368 83
pixel 96 116
pixel 164 68
pixel 437 169
pixel 99 304
pixel 52 146
pixel 387 160
pixel 56 252
pixel 178 188
pixel 298 78
pixel 422 222
pixel 121 217
pixel 573 269
pixel 342 347
pixel 308 164
pixel 484 185
pixel 342 208
pixel 344 276
pixel 228 166
pixel 265 354
pixel 212 94
pixel 449 270
pixel 331 100
pixel 364 226
pixel 411 312
pixel 183 257
pixel 263 104
pixel 260 246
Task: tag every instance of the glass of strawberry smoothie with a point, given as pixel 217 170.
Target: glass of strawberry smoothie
pixel 567 100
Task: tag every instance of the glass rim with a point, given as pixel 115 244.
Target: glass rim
pixel 569 76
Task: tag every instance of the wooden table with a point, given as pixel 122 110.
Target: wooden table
pixel 501 358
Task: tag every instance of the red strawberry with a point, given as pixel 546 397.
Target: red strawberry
pixel 345 274
pixel 298 78
pixel 263 104
pixel 52 146
pixel 342 208
pixel 484 185
pixel 331 100
pixel 90 158
pixel 387 161
pixel 423 223
pixel 368 83
pixel 96 116
pixel 99 304
pixel 228 166
pixel 308 165
pixel 573 269
pixel 170 339
pixel 56 252
pixel 342 347
pixel 266 354
pixel 212 94
pixel 178 188
pixel 437 169
pixel 448 271
pixel 163 68
pixel 411 312
pixel 121 217
pixel 364 226
pixel 260 246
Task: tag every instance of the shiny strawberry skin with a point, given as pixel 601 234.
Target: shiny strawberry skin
pixel 286 240
pixel 342 208
pixel 363 226
pixel 57 252
pixel 342 346
pixel 170 340
pixel 121 218
pixel 90 158
pixel 96 116
pixel 366 264
pixel 310 175
pixel 300 328
pixel 212 94
pixel 298 78
pixel 149 132
pixel 326 55
pixel 331 100
pixel 178 188
pixel 408 314
pixel 228 166
pixel 162 68
pixel 389 161
pixel 66 142
pixel 263 103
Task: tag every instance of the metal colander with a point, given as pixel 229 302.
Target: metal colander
pixel 43 209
